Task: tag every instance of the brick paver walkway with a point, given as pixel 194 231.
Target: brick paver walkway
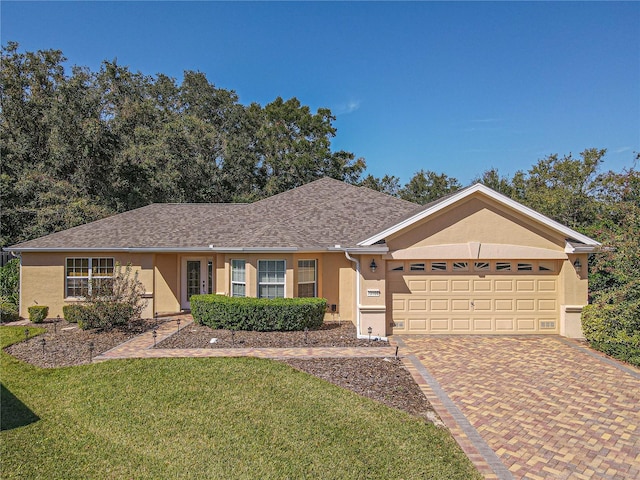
pixel 142 347
pixel 532 407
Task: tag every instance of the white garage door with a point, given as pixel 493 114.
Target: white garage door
pixel 490 297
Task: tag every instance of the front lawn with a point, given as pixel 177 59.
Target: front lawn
pixel 206 418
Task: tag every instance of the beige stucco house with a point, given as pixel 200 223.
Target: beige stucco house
pixel 474 262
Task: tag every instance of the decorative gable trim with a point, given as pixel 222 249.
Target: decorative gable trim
pixel 498 197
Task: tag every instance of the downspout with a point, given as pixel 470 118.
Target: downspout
pixel 357 262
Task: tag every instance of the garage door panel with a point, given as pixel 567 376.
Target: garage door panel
pixel 504 285
pixel 482 286
pixel 419 324
pixel 439 305
pixel 417 286
pixel 484 325
pixel 466 303
pixel 439 324
pixel 460 285
pixel 527 304
pixel 439 285
pixel 505 325
pixel 547 305
pixel 399 305
pixel 526 324
pixel 417 305
pixel 482 304
pixel 525 285
pixel 460 305
pixel 547 286
pixel 461 324
pixel 504 305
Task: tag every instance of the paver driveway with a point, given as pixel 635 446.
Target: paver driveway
pixel 532 407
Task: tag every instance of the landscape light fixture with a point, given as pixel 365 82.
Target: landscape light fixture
pixel 369 330
pixel 577 265
pixel 373 265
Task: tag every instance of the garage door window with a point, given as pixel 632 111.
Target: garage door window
pixel 438 266
pixel 417 267
pixel 503 266
pixel 525 267
pixel 481 266
pixel 460 266
pixel 547 267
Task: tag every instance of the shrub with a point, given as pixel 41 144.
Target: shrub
pixel 8 312
pixel 260 314
pixel 114 302
pixel 37 313
pixel 614 330
pixel 10 283
pixel 72 313
pixel 104 315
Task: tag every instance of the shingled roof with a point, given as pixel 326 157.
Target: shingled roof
pixel 318 215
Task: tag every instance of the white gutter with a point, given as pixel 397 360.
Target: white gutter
pixel 357 262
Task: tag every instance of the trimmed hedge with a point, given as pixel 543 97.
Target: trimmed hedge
pixel 614 330
pixel 37 313
pixel 259 314
pixel 73 313
pixel 8 312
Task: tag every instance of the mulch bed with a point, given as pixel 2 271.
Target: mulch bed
pixel 385 380
pixel 66 344
pixel 332 334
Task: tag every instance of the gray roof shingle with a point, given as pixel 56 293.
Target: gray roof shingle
pixel 317 215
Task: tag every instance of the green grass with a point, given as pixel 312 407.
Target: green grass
pixel 206 418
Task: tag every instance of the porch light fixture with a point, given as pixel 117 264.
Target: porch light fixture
pixel 577 265
pixel 373 265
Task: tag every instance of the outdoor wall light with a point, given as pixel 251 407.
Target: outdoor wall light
pixel 373 265
pixel 577 265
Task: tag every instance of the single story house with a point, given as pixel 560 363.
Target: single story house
pixel 473 262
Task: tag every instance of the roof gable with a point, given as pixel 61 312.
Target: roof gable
pixel 479 189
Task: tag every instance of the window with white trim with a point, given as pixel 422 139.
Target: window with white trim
pixel 271 275
pixel 307 285
pixel 238 278
pixel 82 274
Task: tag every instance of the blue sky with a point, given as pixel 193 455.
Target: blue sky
pixel 453 87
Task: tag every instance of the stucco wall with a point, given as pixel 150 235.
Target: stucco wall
pixel 477 219
pixel 42 278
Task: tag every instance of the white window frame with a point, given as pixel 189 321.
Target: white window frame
pixel 235 282
pixel 283 283
pixel 90 275
pixel 315 276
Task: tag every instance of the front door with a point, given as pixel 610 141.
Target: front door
pixel 194 280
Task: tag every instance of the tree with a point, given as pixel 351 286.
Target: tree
pixel 389 184
pixel 427 186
